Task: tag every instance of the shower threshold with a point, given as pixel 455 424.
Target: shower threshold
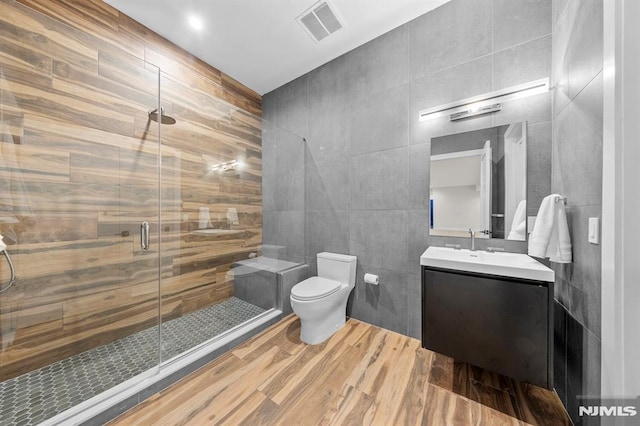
pixel 124 370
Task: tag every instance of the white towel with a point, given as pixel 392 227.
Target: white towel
pixel 518 224
pixel 550 237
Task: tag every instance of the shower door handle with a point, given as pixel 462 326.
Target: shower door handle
pixel 144 235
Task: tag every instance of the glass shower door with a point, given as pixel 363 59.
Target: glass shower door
pixel 211 212
pixel 78 176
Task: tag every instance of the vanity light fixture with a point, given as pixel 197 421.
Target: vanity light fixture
pixel 475 110
pixel 486 103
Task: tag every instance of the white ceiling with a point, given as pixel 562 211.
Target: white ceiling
pixel 259 42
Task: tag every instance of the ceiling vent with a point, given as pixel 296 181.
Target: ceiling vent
pixel 319 21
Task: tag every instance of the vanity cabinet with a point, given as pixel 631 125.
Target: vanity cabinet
pixel 502 324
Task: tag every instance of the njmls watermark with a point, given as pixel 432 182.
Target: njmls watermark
pixel 611 410
pixel 608 407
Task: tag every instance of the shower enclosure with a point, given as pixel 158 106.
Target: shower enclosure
pixel 131 206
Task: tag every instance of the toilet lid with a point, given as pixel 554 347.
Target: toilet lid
pixel 314 288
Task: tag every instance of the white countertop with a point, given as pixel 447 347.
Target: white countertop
pixel 515 265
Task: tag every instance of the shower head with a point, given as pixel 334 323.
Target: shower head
pixel 166 119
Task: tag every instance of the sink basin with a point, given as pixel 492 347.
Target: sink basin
pixel 211 232
pixel 515 265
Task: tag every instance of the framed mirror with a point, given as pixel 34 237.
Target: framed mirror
pixel 479 180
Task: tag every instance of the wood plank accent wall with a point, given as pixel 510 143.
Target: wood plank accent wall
pixel 79 172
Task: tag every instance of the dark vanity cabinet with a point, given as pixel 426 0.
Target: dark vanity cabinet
pixel 498 323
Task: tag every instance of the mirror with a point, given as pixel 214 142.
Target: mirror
pixel 479 180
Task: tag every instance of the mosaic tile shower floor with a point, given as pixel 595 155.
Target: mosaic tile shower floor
pixel 41 394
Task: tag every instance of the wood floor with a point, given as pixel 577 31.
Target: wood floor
pixel 361 375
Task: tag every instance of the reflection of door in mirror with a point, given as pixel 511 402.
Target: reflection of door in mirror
pixel 457 192
pixel 479 180
pixel 515 156
pixel 486 160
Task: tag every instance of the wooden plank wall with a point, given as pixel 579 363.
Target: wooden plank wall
pixel 79 172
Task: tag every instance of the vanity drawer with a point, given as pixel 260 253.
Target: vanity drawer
pixel 498 323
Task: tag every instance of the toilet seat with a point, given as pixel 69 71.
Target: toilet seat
pixel 314 288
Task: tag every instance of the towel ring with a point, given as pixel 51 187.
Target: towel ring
pixel 563 199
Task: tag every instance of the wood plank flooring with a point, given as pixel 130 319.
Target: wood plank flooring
pixel 361 375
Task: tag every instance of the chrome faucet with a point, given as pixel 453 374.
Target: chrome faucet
pixel 472 234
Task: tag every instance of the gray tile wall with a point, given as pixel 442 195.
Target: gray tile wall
pixel 367 154
pixel 284 174
pixel 577 174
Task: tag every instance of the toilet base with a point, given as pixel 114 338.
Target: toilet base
pixel 314 333
pixel 320 319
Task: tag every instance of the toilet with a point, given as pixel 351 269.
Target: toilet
pixel 321 302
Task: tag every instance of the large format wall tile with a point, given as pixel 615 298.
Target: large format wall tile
pixel 459 82
pixel 577 143
pixel 577 50
pixel 269 113
pixel 452 34
pixel 284 171
pixel 585 288
pixel 583 366
pixel 330 86
pixel 560 64
pixel 289 183
pixel 379 237
pixel 557 9
pixel 329 133
pixel 292 108
pixel 379 180
pixel 380 121
pixel 519 21
pixel 380 64
pixel 385 304
pixel 584 51
pixel 328 185
pixel 285 230
pixel 327 230
pixel 522 63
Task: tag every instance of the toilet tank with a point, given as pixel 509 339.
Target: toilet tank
pixel 337 267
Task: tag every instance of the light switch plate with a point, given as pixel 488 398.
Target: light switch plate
pixel 594 230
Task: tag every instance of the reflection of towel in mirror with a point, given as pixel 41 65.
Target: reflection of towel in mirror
pixel 550 237
pixel 518 224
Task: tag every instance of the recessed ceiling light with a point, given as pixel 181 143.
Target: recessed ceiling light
pixel 195 22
